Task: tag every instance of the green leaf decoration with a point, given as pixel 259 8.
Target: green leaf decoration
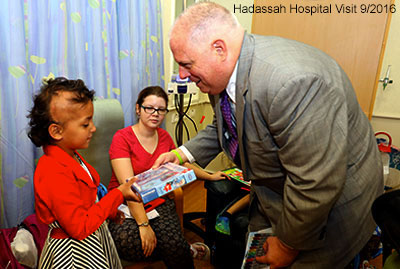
pixel 154 39
pixel 17 71
pixel 123 54
pixel 62 6
pixel 21 181
pixel 116 91
pixel 76 17
pixel 51 75
pixel 37 59
pixel 94 3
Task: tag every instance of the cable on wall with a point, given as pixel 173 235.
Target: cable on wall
pixel 182 113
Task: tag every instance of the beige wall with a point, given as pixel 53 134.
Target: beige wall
pixel 243 18
pixel 386 115
pixel 387 101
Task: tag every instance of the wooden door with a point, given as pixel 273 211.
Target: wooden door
pixel 353 33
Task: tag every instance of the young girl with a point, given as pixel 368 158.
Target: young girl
pixel 134 150
pixel 65 185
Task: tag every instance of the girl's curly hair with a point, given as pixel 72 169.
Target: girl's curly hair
pixel 39 115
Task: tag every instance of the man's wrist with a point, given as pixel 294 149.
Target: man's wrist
pixel 289 250
pixel 174 151
pixel 187 154
pixel 285 245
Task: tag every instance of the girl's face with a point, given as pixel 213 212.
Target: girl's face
pixel 147 115
pixel 76 125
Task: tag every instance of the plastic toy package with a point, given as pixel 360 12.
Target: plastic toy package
pixel 254 247
pixel 154 183
pixel 236 174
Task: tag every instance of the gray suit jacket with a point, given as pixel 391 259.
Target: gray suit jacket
pixel 307 147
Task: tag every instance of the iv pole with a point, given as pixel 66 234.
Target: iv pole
pixel 182 103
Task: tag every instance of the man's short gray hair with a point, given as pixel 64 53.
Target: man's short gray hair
pixel 199 18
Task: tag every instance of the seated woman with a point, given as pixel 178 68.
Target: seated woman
pixel 134 150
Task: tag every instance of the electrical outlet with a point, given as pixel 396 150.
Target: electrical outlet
pixel 192 112
pixel 175 117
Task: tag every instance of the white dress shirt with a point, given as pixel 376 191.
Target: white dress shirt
pixel 231 91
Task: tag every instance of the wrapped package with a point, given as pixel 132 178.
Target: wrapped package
pixel 24 248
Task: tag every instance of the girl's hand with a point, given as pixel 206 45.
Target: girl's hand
pixel 218 176
pixel 149 240
pixel 127 192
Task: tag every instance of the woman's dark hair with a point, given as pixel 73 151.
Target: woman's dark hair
pixel 40 117
pixel 152 90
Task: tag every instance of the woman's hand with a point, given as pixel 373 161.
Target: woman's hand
pixel 149 240
pixel 218 176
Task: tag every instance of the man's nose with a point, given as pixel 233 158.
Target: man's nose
pixel 183 73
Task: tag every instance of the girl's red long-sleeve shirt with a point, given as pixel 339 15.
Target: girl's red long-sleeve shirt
pixel 64 192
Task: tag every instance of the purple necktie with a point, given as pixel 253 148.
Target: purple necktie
pixel 227 115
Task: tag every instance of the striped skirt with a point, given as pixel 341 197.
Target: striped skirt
pixel 95 251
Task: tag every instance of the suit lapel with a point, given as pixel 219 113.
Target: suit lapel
pixel 215 101
pixel 242 85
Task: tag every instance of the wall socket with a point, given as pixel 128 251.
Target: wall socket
pixel 175 117
pixel 191 112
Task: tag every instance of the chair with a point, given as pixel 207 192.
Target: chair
pixel 386 213
pixel 219 195
pixel 214 203
pixel 109 118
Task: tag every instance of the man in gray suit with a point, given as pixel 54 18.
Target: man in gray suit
pixel 298 134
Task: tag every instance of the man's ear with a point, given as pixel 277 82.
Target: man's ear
pixel 55 131
pixel 219 46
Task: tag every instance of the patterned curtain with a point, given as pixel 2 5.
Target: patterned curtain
pixel 115 46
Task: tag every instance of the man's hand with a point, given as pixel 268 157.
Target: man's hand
pixel 165 158
pixel 277 254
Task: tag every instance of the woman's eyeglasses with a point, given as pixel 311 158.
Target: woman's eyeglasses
pixel 151 110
